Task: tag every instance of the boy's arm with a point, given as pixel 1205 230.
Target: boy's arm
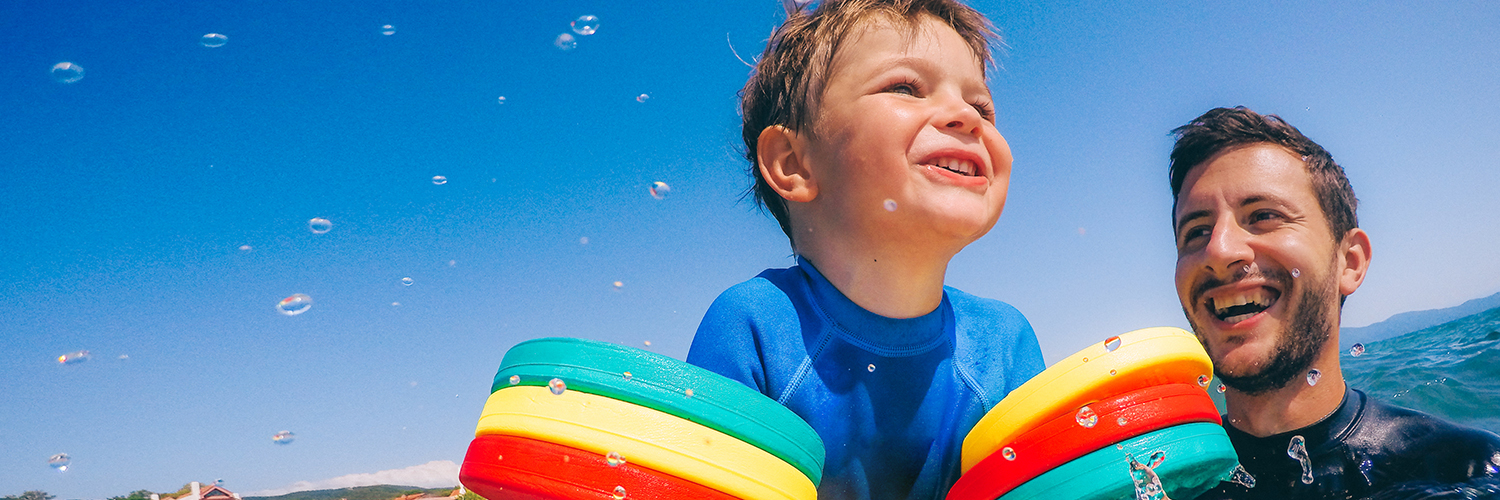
pixel 727 341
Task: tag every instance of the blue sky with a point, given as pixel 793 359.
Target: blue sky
pixel 127 196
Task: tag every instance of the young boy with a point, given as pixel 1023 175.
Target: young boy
pixel 868 125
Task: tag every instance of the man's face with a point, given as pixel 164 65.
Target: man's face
pixel 902 140
pixel 1257 266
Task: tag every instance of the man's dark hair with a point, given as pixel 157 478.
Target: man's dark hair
pixel 1224 129
pixel 787 83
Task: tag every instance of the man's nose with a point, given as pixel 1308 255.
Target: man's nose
pixel 1229 248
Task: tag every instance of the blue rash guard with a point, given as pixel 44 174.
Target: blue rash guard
pixel 892 399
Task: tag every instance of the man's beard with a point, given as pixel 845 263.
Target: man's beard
pixel 1294 351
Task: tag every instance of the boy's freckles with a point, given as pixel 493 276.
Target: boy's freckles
pixel 905 116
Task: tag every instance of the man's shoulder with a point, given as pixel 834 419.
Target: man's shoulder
pixel 1434 447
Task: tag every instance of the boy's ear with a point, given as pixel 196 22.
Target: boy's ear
pixel 780 156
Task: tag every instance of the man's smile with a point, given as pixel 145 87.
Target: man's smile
pixel 1236 305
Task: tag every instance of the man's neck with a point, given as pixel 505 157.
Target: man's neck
pixel 1292 407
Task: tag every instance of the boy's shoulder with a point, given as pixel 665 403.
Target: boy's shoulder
pixel 971 308
pixel 769 293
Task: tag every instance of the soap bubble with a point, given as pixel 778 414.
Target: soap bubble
pixel 283 437
pixel 557 386
pixel 1313 376
pixel 890 205
pixel 1357 350
pixel 1112 343
pixel 614 459
pixel 565 42
pixel 406 281
pixel 66 72
pixel 73 357
pixel 619 493
pixel 296 304
pixel 660 190
pixel 387 30
pixel 586 25
pixel 642 98
pixel 213 40
pixel 1008 453
pixel 1087 418
pixel 439 180
pixel 60 461
pixel 319 225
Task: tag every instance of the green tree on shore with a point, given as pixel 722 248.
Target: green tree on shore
pixel 31 495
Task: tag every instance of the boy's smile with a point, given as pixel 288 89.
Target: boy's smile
pixel 905 116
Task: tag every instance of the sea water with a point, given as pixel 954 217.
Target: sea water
pixel 1450 370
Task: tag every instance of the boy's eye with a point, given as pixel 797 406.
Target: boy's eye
pixel 904 87
pixel 985 109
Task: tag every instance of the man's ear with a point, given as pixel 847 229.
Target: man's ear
pixel 1355 260
pixel 781 156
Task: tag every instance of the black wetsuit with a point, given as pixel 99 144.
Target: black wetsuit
pixel 1369 449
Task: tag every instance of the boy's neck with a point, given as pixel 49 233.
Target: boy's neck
pixel 891 283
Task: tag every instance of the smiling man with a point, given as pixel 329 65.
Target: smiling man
pixel 1268 248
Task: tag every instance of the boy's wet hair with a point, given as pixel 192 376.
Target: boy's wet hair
pixel 787 82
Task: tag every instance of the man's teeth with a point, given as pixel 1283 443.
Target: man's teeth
pixel 958 166
pixel 1240 306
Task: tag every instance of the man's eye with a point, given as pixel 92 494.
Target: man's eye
pixel 1263 215
pixel 1195 233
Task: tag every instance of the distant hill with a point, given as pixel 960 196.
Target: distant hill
pixel 378 492
pixel 1408 322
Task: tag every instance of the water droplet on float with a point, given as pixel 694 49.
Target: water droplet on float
pixel 1008 453
pixel 406 281
pixel 1203 380
pixel 619 492
pixel 1297 449
pixel 1221 388
pixel 1242 477
pixel 642 98
pixel 557 386
pixel 1087 418
pixel 1313 376
pixel 1157 458
pixel 870 368
pixel 1357 350
pixel 213 40
pixel 627 375
pixel 439 180
pixel 283 437
pixel 319 225
pixel 73 357
pixel 586 25
pixel 66 72
pixel 565 42
pixel 614 459
pixel 60 461
pixel 387 30
pixel 1112 343
pixel 1120 421
pixel 890 205
pixel 660 190
pixel 1112 373
pixel 688 392
pixel 515 379
pixel 298 303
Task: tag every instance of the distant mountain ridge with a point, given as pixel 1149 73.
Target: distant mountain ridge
pixel 1412 321
pixel 377 492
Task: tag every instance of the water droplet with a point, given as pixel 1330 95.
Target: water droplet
pixel 1085 359
pixel 1087 418
pixel 1157 458
pixel 660 190
pixel 515 379
pixel 499 457
pixel 1120 421
pixel 73 357
pixel 583 241
pixel 1008 453
pixel 627 375
pixel 439 180
pixel 586 25
pixel 1357 350
pixel 406 281
pixel 1313 376
pixel 245 248
pixel 1365 466
pixel 1203 380
pixel 1304 157
pixel 614 459
pixel 647 342
pixel 66 72
pixel 298 303
pixel 395 304
pixel 1112 343
pixel 642 98
pixel 1221 388
pixel 1242 477
pixel 1296 272
pixel 1147 483
pixel 500 100
pixel 619 493
pixel 870 368
pixel 452 263
pixel 319 225
pixel 1297 449
pixel 618 285
pixel 1111 373
pixel 283 437
pixel 124 356
pixel 688 392
pixel 387 30
pixel 1245 269
pixel 557 386
pixel 213 40
pixel 890 205
pixel 60 461
pixel 565 42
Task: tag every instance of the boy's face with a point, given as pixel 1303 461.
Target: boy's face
pixel 906 117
